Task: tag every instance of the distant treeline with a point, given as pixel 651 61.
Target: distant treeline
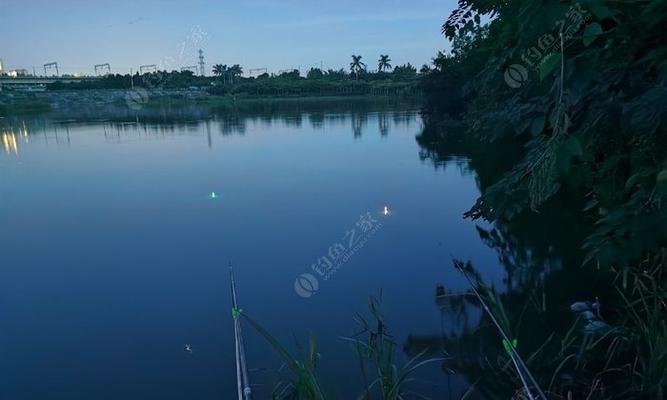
pixel 401 81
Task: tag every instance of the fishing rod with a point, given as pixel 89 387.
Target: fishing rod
pixel 516 359
pixel 243 384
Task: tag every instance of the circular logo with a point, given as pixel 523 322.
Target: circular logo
pixel 306 285
pixel 516 75
pixel 136 98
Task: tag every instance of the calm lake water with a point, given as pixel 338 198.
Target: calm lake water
pixel 115 250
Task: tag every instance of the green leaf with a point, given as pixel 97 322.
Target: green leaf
pixel 602 12
pixel 636 178
pixel 568 150
pixel 591 204
pixel 661 182
pixel 549 63
pixel 537 125
pixel 592 31
pixel 662 176
pixel 574 146
pixel 507 345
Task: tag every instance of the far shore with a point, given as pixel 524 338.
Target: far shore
pixel 36 102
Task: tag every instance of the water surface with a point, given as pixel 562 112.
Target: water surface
pixel 115 252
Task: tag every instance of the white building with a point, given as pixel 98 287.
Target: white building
pixel 15 73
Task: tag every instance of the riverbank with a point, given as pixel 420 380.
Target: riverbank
pixel 135 99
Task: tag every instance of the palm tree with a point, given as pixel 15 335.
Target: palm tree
pixel 235 70
pixel 383 62
pixel 220 70
pixel 356 65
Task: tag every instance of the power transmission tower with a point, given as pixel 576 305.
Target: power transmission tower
pixel 202 71
pixel 102 67
pixel 51 65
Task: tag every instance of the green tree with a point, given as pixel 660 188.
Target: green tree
pixel 315 73
pixel 235 71
pixel 220 70
pixel 405 71
pixel 584 111
pixel 384 62
pixel 357 66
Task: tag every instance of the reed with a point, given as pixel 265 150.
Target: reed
pixel 301 380
pixel 376 351
pixel 526 377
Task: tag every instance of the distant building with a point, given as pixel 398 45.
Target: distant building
pixel 15 73
pixel 2 67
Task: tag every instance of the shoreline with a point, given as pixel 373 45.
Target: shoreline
pixel 12 103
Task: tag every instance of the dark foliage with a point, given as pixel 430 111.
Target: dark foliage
pixel 576 91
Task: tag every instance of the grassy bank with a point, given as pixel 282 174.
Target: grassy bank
pixel 24 107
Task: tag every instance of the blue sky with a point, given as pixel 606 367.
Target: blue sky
pixel 254 33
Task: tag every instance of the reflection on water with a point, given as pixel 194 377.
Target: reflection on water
pixel 154 124
pixel 9 142
pixel 9 137
pixel 130 227
pixel 540 258
pixel 122 223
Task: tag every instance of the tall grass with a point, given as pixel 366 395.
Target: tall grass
pixel 626 358
pixel 644 294
pixel 500 320
pixel 301 381
pixel 376 352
